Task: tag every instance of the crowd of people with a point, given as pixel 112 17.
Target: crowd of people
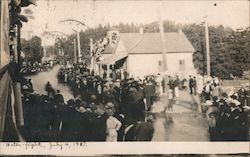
pixel 227 114
pixel 102 110
pixel 29 68
pixel 117 108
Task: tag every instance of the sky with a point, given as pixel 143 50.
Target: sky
pixel 48 13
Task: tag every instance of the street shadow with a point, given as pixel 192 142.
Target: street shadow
pixel 169 121
pixel 195 103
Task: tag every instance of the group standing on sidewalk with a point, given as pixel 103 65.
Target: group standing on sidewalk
pixel 227 114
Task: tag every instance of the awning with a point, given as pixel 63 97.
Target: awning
pixel 112 59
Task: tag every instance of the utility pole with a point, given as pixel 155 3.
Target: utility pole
pixel 207 48
pixel 164 60
pixel 79 46
pixel 44 50
pixel 78 35
pixel 75 57
pixel 164 50
pixel 44 53
pixel 91 53
pixel 164 54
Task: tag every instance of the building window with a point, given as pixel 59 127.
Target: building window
pixel 159 63
pixel 182 64
pixel 160 69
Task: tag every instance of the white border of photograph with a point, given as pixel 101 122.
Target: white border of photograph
pixel 125 148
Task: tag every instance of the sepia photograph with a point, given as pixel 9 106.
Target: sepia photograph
pixel 124 71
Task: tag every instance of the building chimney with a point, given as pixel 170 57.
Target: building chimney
pixel 180 31
pixel 141 30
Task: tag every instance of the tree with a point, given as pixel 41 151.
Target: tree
pixel 68 47
pixel 229 49
pixel 51 51
pixel 32 49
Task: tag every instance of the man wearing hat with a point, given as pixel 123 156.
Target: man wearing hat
pixel 149 93
pixel 50 91
pixel 242 95
pixel 99 124
pixel 212 116
pixel 144 131
pixel 59 99
pixel 68 130
pixel 234 128
pixel 207 91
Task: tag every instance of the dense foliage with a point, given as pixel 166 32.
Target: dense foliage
pixel 229 49
pixel 32 49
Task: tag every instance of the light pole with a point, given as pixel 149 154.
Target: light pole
pixel 91 53
pixel 77 34
pixel 78 45
pixel 53 34
pixel 75 50
pixel 207 48
pixel 164 54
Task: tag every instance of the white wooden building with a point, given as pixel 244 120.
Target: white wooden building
pixel 141 53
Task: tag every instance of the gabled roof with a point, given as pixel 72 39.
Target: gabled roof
pixel 108 49
pixel 136 43
pixel 151 42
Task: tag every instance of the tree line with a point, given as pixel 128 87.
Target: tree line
pixel 229 49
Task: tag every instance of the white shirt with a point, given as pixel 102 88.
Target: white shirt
pixel 207 88
pixel 113 123
pixel 216 80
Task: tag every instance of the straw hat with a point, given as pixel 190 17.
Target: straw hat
pixel 99 111
pixel 236 102
pixel 209 103
pixel 109 105
pixel 81 109
pixel 110 112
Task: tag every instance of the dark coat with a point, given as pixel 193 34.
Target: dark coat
pixel 59 98
pixel 191 82
pixel 149 90
pixel 69 125
pixel 144 131
pixel 99 128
